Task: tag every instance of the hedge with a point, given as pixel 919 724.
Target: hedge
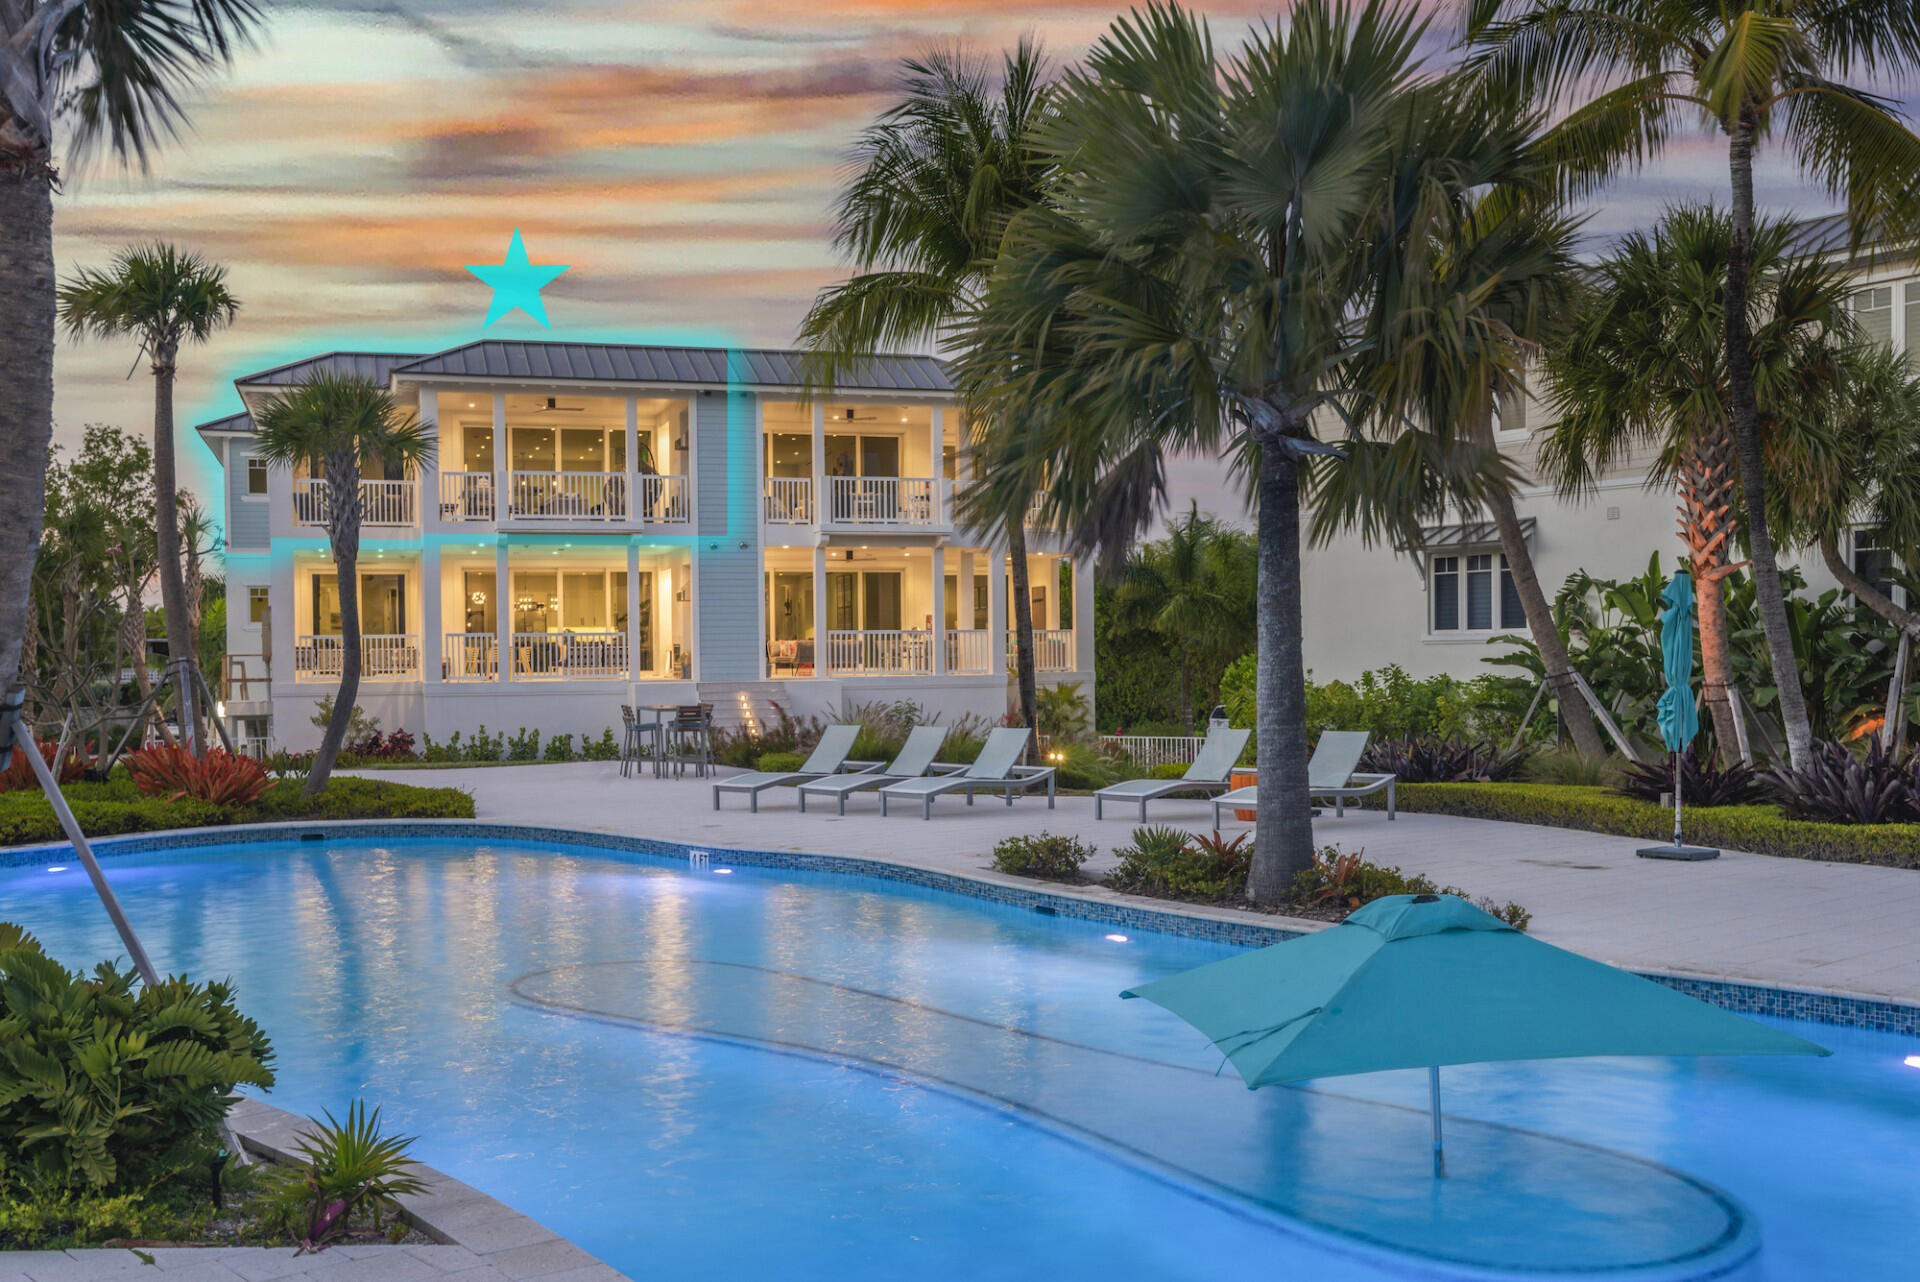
pixel 104 809
pixel 1760 830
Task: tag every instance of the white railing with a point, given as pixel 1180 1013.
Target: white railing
pixel 466 496
pixel 558 656
pixel 383 657
pixel 1151 750
pixel 788 500
pixel 878 652
pixel 1035 511
pixel 969 651
pixel 664 500
pixel 568 496
pixel 883 500
pixel 470 656
pixel 1052 650
pixel 381 502
pixel 256 747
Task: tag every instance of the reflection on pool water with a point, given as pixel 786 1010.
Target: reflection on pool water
pixel 802 1075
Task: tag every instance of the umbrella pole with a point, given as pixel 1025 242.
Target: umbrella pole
pixel 1433 1089
pixel 1677 843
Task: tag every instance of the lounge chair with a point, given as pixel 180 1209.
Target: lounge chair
pixel 1208 773
pixel 1331 774
pixel 996 769
pixel 914 761
pixel 829 757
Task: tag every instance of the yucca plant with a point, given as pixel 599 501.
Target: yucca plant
pixel 352 1169
pixel 222 778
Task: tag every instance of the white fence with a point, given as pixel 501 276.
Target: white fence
pixel 1151 750
pixel 383 657
pixel 664 501
pixel 788 500
pixel 879 652
pixel 883 500
pixel 471 656
pixel 969 651
pixel 381 502
pixel 568 496
pixel 1052 650
pixel 466 496
pixel 558 656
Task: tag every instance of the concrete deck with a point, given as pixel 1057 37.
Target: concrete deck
pixel 1756 918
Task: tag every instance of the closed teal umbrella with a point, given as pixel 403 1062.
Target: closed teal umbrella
pixel 1678 717
pixel 1419 981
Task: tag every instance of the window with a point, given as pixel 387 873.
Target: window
pixel 256 476
pixel 1513 409
pixel 1468 595
pixel 1873 311
pixel 1873 559
pixel 256 605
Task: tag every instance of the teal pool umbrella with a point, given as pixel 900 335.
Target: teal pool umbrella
pixel 1421 981
pixel 1678 717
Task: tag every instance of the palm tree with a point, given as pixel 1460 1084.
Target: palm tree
pixel 934 184
pixel 1193 589
pixel 111 74
pixel 1235 254
pixel 1752 70
pixel 1644 368
pixel 341 423
pixel 162 297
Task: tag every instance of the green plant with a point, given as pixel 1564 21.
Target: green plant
pixel 32 1219
pixel 221 778
pixel 559 748
pixel 779 762
pixel 1168 770
pixel 485 747
pixel 1082 767
pixel 1345 881
pixel 359 724
pixel 1061 711
pixel 103 1088
pixel 1570 767
pixel 1171 864
pixel 605 748
pixel 116 806
pixel 352 1169
pixel 523 745
pixel 1044 855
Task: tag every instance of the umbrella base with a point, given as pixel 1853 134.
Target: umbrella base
pixel 1672 851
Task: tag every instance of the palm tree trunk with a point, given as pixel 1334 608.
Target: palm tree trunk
pixel 26 390
pixel 173 590
pixel 1283 839
pixel 1186 694
pixel 1716 665
pixel 1768 593
pixel 1022 628
pixel 1706 493
pixel 1574 712
pixel 346 565
pixel 1864 592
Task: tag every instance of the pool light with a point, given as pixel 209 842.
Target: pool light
pixel 723 872
pixel 1912 1061
pixel 1117 939
pixel 58 868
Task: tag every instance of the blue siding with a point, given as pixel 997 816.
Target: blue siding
pixel 248 525
pixel 727 554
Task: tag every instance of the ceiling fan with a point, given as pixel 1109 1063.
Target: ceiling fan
pixel 553 407
pixel 851 415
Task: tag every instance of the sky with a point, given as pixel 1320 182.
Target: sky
pixel 681 155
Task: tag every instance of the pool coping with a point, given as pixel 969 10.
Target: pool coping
pixel 1239 927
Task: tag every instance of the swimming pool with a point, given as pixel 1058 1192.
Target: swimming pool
pixel 773 1073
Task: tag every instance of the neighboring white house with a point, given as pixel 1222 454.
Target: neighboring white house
pixel 605 524
pixel 1436 607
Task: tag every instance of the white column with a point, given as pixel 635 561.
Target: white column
pixel 939 629
pixel 819 602
pixel 963 586
pixel 936 438
pixel 819 464
pixel 997 611
pixel 502 599
pixel 428 469
pixel 431 596
pixel 633 579
pixel 502 468
pixel 632 480
pixel 1082 621
pixel 1050 567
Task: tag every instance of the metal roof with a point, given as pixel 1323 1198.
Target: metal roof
pixel 1469 534
pixel 241 422
pixel 702 366
pixel 374 365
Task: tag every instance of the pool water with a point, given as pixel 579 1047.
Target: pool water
pixel 769 1073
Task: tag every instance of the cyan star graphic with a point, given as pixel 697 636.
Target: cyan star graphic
pixel 516 283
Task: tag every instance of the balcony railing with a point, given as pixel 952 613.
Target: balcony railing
pixel 381 502
pixel 1052 650
pixel 788 500
pixel 969 651
pixel 559 656
pixel 876 653
pixel 383 657
pixel 664 500
pixel 466 496
pixel 568 496
pixel 883 500
pixel 470 656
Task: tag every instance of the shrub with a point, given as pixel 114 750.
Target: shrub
pixel 352 1169
pixel 485 747
pixel 1570 767
pixel 1703 781
pixel 1440 759
pixel 786 733
pixel 1171 864
pixel 1081 766
pixel 524 745
pixel 103 1089
pixel 1392 704
pixel 359 724
pixel 779 762
pixel 38 1220
pixel 397 746
pixel 1836 786
pixel 1346 881
pixel 1168 770
pixel 221 778
pixel 559 748
pixel 19 773
pixel 605 748
pixel 1061 711
pixel 116 806
pixel 1047 856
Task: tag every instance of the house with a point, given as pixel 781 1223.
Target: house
pixel 604 524
pixel 1438 605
